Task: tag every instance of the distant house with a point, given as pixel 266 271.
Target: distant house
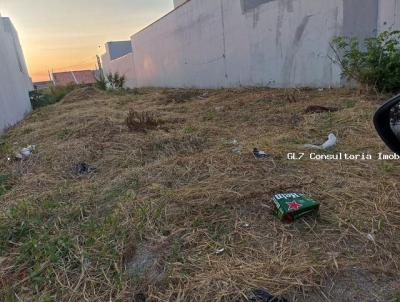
pixel 73 77
pixel 42 85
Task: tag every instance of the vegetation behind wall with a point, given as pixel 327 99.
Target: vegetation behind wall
pixel 375 63
pixel 51 95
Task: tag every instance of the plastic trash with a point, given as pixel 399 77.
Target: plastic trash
pixel 262 295
pixel 371 237
pixel 205 95
pixel 25 152
pixel 320 109
pixel 220 251
pixel 84 169
pixel 331 142
pixel 291 206
pixel 259 154
pixel 237 150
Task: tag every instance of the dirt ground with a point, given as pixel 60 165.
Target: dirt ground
pixel 181 211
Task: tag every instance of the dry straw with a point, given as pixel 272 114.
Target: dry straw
pixel 148 223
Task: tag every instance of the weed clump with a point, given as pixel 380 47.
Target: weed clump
pixel 5 184
pixel 375 64
pixel 50 96
pixel 111 81
pixel 141 121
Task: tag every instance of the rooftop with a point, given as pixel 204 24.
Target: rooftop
pixel 73 77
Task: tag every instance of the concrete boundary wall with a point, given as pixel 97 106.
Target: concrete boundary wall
pixel 117 49
pixel 231 43
pixel 15 83
pixel 123 64
pixel 389 15
pixel 221 43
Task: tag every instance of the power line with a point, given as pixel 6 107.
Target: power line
pixel 85 62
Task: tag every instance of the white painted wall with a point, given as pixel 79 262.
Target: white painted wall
pixel 389 15
pixel 215 43
pixel 124 66
pixel 230 43
pixel 15 83
pixel 117 49
pixel 119 58
pixel 178 2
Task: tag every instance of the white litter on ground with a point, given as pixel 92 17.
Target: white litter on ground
pixel 25 152
pixel 331 142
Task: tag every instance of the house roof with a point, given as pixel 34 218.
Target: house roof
pixel 73 77
pixel 42 82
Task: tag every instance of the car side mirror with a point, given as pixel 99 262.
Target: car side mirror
pixel 387 123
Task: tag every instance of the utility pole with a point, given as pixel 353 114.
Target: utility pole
pixel 99 65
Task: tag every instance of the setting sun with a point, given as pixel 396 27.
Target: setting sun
pixel 65 35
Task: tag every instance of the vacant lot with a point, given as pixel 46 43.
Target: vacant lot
pixel 174 210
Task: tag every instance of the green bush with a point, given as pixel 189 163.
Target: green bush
pixel 101 83
pixel 375 63
pixel 50 96
pixel 113 81
pixel 116 81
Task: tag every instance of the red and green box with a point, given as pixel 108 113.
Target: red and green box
pixel 292 206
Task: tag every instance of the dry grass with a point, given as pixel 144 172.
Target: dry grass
pixel 181 95
pixel 141 121
pixel 149 221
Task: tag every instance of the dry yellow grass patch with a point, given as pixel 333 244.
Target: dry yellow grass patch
pixel 148 221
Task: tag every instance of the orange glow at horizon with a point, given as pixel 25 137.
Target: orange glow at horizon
pixel 67 35
pixel 39 66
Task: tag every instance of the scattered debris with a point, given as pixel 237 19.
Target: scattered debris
pixel 371 237
pixel 140 297
pixel 259 154
pixel 220 251
pixel 84 169
pixel 320 109
pixel 24 152
pixel 204 95
pixel 237 150
pixel 291 206
pixel 262 295
pixel 331 142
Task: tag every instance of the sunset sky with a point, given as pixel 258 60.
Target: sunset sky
pixel 66 34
